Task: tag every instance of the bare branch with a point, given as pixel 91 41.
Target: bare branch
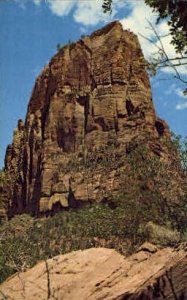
pixel 165 61
pixel 48 280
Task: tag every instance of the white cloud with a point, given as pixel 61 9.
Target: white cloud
pixel 61 8
pixel 86 12
pixel 90 12
pixel 181 106
pixel 37 2
pixel 171 89
pixel 137 21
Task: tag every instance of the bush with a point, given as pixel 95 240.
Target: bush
pixel 27 240
pixel 4 188
pixel 93 226
pixel 124 222
pixel 59 46
pixel 161 235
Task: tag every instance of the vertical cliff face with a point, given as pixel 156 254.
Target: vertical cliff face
pixel 94 96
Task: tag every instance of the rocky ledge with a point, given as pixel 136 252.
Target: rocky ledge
pixel 100 273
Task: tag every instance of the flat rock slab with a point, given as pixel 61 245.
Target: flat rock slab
pixel 100 273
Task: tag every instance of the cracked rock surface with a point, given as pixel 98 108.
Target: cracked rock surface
pixel 100 273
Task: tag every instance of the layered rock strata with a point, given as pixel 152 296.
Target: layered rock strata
pixel 93 98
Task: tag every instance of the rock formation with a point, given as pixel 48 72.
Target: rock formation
pixel 100 273
pixel 93 98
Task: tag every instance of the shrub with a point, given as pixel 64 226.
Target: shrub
pixel 92 226
pixel 161 235
pixel 124 222
pixel 59 46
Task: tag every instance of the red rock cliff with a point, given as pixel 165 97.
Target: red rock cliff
pixel 92 94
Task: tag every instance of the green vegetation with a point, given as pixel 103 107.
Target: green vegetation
pixel 107 6
pixel 59 46
pixel 3 179
pixel 181 145
pixel 24 241
pixel 67 231
pixel 145 191
pixel 143 210
pixel 4 190
pixel 176 11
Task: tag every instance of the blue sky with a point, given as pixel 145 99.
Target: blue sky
pixel 30 31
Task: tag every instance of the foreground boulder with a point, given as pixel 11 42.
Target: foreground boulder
pixel 100 273
pixel 88 105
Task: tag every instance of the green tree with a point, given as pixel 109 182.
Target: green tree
pixel 4 190
pixel 181 145
pixel 107 6
pixel 176 12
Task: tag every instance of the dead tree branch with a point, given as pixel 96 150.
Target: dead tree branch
pixel 163 60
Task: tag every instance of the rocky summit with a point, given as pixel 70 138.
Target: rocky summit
pixel 91 102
